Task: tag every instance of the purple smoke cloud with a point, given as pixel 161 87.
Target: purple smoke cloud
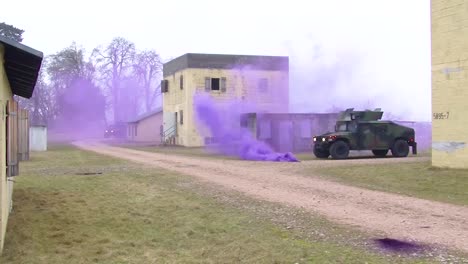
pixel 223 123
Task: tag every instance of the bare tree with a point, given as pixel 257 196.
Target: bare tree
pixel 68 64
pixel 42 104
pixel 115 62
pixel 148 69
pixel 73 94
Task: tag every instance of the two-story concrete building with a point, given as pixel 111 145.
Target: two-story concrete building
pixel 260 80
pixel 449 83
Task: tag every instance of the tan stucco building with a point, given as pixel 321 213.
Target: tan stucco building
pixel 449 83
pixel 146 128
pixel 19 69
pixel 260 80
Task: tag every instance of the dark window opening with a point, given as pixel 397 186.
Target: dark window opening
pixel 164 86
pixel 181 82
pixel 215 84
pixel 181 117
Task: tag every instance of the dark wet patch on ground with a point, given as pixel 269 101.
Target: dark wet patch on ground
pixel 395 245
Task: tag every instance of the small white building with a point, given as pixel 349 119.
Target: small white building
pixel 38 138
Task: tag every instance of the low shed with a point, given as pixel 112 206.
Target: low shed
pixel 289 131
pixel 38 138
pixel 146 128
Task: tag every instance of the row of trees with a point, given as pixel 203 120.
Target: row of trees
pixel 74 86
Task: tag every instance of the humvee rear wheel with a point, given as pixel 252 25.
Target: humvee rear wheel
pixel 321 153
pixel 380 152
pixel 339 150
pixel 400 148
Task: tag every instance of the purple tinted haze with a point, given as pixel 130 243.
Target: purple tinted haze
pixel 221 122
pixel 82 112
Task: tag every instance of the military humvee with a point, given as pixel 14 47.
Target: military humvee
pixel 363 130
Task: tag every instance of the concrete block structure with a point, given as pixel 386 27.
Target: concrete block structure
pixel 19 70
pixel 449 25
pixel 260 80
pixel 291 132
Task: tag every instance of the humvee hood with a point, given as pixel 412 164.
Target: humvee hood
pixel 335 134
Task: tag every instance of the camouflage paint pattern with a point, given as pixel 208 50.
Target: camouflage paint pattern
pixel 363 130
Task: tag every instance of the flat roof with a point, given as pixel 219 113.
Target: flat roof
pixel 225 61
pixel 22 66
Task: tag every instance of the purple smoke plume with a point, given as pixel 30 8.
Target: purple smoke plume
pixel 223 123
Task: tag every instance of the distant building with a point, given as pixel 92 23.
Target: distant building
pixel 19 70
pixel 449 83
pixel 262 80
pixel 146 128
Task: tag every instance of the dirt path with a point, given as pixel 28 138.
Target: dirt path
pixel 388 214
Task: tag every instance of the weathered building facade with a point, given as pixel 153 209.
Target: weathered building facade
pixel 259 80
pixel 19 70
pixel 449 26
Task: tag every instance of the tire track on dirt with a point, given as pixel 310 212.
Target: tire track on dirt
pixel 396 216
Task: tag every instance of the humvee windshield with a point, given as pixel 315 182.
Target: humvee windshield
pixel 345 127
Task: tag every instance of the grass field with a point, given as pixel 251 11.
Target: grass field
pixel 413 179
pixel 126 213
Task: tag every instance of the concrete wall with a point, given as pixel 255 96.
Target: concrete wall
pixel 38 138
pixel 240 84
pixel 449 83
pixel 292 132
pixel 6 186
pixel 146 130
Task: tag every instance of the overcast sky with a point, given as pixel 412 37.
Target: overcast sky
pixel 341 52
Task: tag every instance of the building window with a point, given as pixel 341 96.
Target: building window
pixel 263 85
pixel 215 84
pixel 210 140
pixel 136 129
pixel 164 86
pixel 181 82
pixel 181 113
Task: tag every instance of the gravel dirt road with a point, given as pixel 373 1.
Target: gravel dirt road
pixel 391 215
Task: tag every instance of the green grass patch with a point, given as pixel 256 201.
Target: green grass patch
pixel 127 213
pixel 416 179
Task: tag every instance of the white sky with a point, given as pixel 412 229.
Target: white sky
pixel 382 47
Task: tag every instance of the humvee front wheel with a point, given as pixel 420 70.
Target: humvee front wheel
pixel 400 148
pixel 380 152
pixel 321 153
pixel 339 150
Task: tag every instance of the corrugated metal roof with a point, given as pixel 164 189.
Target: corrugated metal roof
pixel 146 115
pixel 22 65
